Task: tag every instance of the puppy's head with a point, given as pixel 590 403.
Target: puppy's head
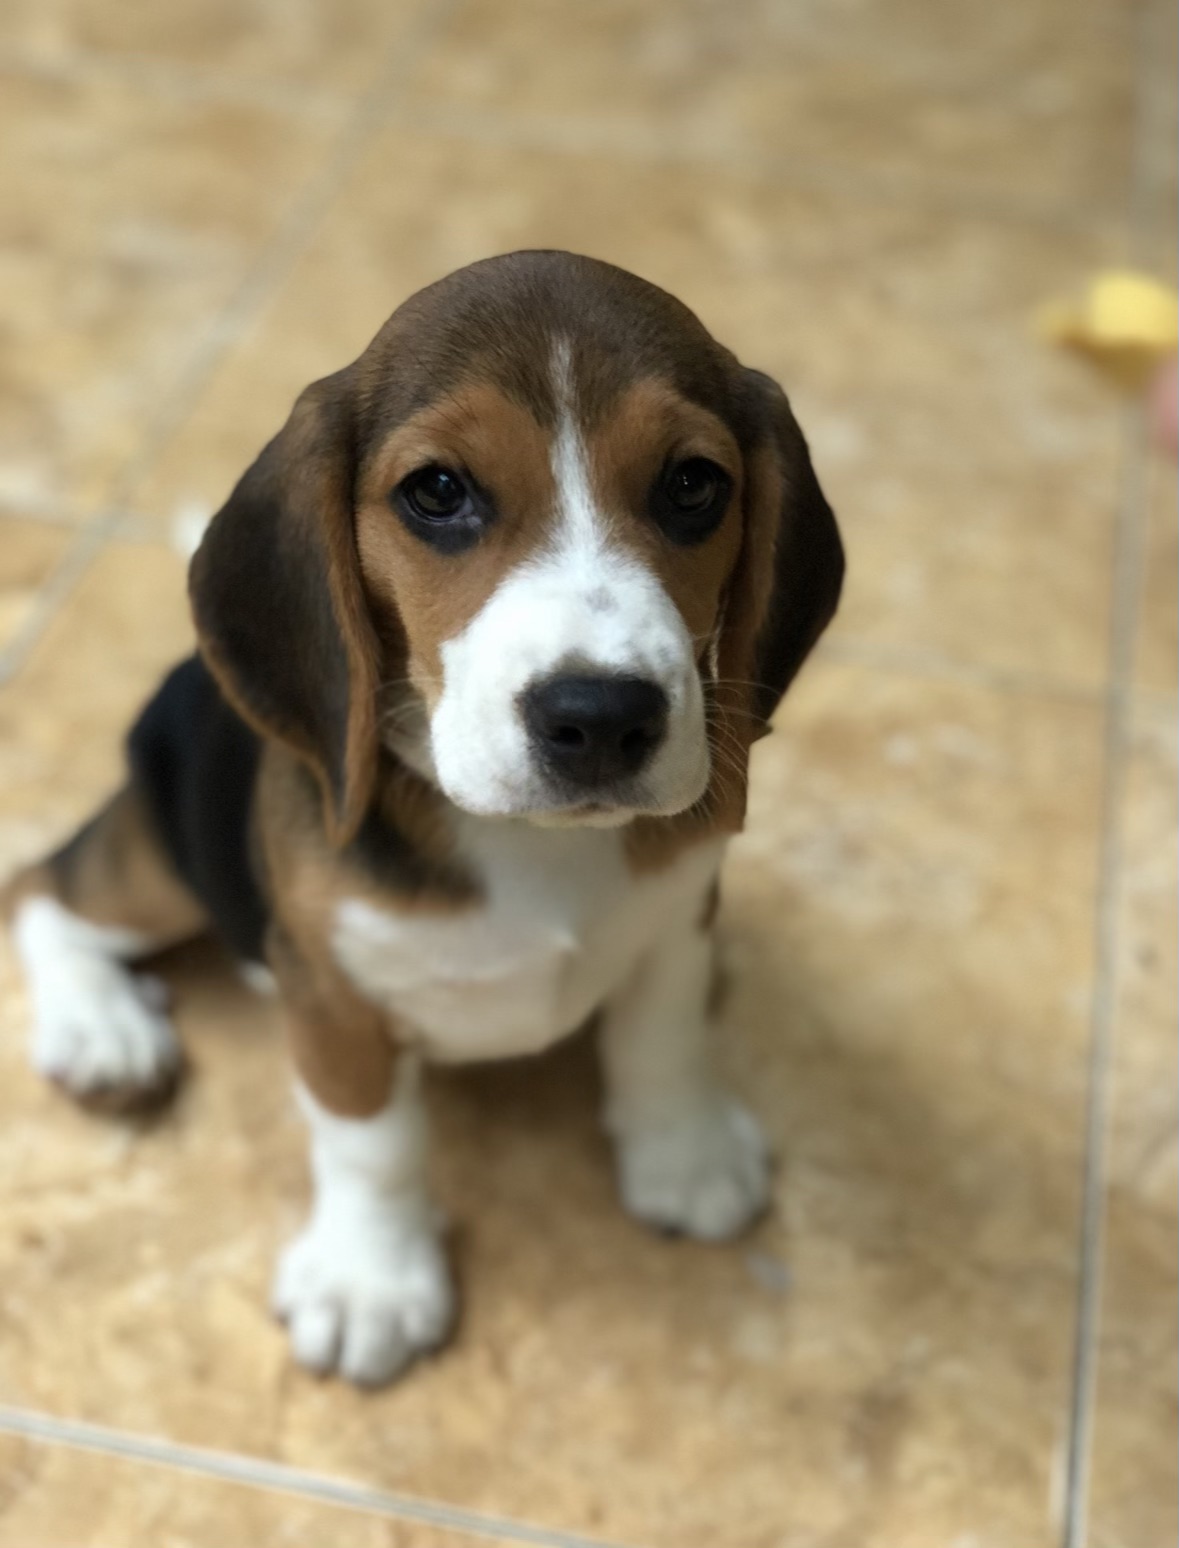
pixel 545 540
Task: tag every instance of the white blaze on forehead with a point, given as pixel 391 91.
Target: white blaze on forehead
pixel 580 603
pixel 579 521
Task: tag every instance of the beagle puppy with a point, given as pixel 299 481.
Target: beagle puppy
pixel 485 633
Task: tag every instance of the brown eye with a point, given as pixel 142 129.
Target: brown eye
pixel 690 499
pixel 435 494
pixel 443 508
pixel 693 485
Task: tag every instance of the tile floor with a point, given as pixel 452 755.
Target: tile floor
pixel 951 923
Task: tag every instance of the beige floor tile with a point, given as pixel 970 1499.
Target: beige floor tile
pixel 1160 134
pixel 886 1361
pixel 51 1497
pixel 1029 104
pixel 340 45
pixel 972 468
pixel 1135 1483
pixel 1157 665
pixel 1144 1142
pixel 63 718
pixel 128 219
pixel 1135 1494
pixel 28 552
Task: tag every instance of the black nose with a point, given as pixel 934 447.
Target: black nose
pixel 592 730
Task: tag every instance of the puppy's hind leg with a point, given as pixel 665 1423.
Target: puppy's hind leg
pixel 79 918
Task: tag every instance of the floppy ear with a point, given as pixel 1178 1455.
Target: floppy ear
pixel 279 608
pixel 786 584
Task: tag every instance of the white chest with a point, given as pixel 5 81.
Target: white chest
pixel 563 924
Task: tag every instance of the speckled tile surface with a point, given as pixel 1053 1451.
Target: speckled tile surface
pixel 130 217
pixel 953 95
pixel 1136 1475
pixel 1157 656
pixel 29 551
pixel 226 45
pixel 206 207
pixel 50 1494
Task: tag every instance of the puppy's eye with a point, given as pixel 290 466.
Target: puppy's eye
pixel 435 494
pixel 692 486
pixel 690 499
pixel 442 507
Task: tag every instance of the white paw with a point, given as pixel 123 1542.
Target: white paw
pixel 705 1173
pixel 364 1304
pixel 101 1033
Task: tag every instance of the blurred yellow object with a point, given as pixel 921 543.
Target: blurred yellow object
pixel 1126 323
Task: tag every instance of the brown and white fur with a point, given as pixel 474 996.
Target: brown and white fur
pixel 354 785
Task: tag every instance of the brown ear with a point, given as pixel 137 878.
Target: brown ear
pixel 279 608
pixel 786 585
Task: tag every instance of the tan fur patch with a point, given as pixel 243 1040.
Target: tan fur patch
pixel 479 431
pixel 653 843
pixel 650 426
pixel 345 1048
pixel 115 872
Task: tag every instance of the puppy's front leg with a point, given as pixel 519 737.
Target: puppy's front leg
pixel 366 1285
pixel 690 1156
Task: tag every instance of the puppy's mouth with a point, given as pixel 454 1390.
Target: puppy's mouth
pixel 585 814
pixel 552 804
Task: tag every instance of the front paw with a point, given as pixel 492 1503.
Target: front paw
pixel 705 1172
pixel 101 1033
pixel 364 1303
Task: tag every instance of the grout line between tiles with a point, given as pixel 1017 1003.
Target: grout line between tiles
pixel 282 1479
pixel 1126 590
pixel 128 524
pixel 919 191
pixel 185 83
pixel 52 513
pixel 260 281
pixel 65 575
pixel 1157 704
pixel 562 135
